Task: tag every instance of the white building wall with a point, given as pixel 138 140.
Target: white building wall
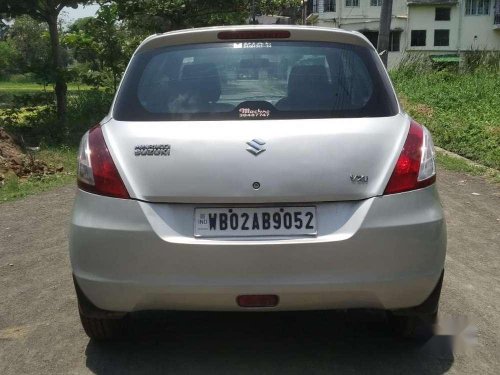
pixel 466 31
pixel 366 17
pixel 422 17
pixel 478 32
pixel 358 14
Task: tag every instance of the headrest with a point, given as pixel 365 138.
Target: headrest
pixel 306 79
pixel 203 79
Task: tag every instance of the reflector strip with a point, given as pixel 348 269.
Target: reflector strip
pixel 257 300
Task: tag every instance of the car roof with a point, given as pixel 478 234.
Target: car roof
pixel 210 35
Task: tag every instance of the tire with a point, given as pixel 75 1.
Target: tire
pixel 101 325
pixel 417 322
pixel 104 329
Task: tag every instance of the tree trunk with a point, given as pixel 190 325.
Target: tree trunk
pixel 385 30
pixel 61 87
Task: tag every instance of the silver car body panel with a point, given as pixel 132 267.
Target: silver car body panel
pixel 383 252
pixel 209 163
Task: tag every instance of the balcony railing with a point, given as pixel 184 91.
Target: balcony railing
pixel 496 20
pixel 329 6
pixel 312 6
pixel 496 12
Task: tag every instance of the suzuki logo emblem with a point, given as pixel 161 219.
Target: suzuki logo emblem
pixel 256 146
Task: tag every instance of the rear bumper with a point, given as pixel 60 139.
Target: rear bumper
pixel 384 252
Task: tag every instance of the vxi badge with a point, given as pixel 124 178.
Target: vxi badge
pixel 152 150
pixel 358 179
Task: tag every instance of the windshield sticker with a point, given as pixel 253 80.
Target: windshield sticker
pixel 254 113
pixel 253 45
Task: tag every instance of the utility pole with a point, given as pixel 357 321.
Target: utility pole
pixel 385 30
pixel 304 12
pixel 253 13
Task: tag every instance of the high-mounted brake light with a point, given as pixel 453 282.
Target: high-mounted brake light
pixel 415 168
pixel 97 172
pixel 254 34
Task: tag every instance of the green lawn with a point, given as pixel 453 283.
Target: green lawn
pixel 15 87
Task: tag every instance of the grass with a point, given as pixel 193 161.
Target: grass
pixel 25 87
pixel 15 188
pixel 461 110
pixel 458 164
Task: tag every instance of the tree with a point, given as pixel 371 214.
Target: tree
pixel 100 42
pixel 30 41
pixel 47 11
pixel 158 16
pixel 8 56
pixel 164 15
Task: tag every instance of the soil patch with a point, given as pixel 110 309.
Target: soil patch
pixel 13 160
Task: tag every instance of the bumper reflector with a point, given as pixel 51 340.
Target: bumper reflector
pixel 257 300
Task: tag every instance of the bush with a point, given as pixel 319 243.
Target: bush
pixel 22 78
pixel 481 60
pixel 32 117
pixel 85 109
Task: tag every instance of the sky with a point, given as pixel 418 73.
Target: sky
pixel 71 14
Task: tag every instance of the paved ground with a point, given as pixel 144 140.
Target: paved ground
pixel 40 332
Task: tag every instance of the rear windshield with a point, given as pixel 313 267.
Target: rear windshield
pixel 254 80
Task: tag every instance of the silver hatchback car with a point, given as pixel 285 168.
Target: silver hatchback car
pixel 256 169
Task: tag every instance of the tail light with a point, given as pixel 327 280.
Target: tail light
pixel 254 34
pixel 97 172
pixel 415 167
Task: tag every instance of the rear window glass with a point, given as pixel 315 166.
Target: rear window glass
pixel 254 80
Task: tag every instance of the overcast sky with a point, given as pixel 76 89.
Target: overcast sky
pixel 71 14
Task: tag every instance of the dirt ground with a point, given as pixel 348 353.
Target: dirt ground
pixel 40 332
pixel 14 161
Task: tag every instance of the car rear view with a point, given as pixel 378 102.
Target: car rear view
pixel 256 169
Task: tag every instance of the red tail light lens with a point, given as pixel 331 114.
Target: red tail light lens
pixel 415 167
pixel 97 172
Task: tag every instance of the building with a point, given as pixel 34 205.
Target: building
pixel 434 27
pixel 454 26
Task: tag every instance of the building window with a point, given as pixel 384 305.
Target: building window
pixel 477 7
pixel 352 3
pixel 329 6
pixel 375 3
pixel 372 36
pixel 443 14
pixel 394 39
pixel 418 38
pixel 441 38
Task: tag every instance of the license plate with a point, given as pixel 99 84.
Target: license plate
pixel 255 221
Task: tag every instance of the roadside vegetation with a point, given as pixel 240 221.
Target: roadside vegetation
pixel 63 158
pixel 460 107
